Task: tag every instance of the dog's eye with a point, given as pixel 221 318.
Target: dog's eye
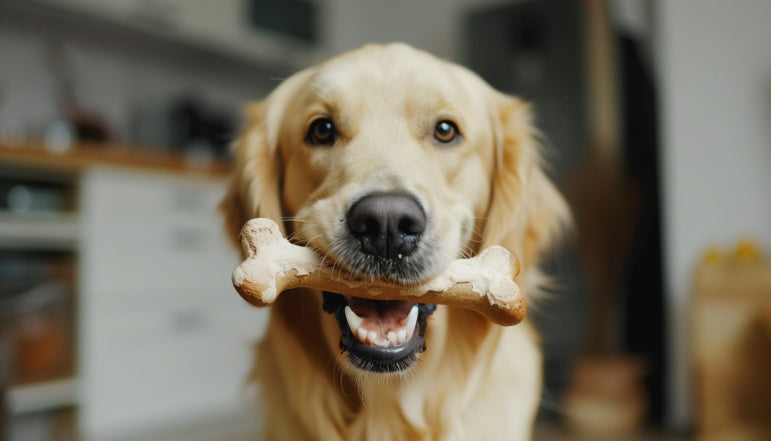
pixel 321 132
pixel 446 132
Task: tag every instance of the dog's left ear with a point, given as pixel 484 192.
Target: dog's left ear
pixel 526 212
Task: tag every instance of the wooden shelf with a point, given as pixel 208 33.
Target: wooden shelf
pixel 42 396
pixel 39 231
pixel 84 155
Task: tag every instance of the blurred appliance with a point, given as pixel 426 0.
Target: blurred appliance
pixel 184 123
pixel 534 49
pixel 296 19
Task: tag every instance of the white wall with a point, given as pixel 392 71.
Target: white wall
pixel 715 75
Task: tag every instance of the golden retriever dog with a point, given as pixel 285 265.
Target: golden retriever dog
pixel 390 163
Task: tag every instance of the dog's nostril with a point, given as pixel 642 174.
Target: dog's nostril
pixel 365 223
pixel 412 225
pixel 387 225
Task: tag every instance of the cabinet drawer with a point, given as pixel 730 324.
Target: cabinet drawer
pixel 164 366
pixel 124 193
pixel 146 257
pixel 139 270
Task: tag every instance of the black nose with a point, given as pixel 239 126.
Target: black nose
pixel 387 225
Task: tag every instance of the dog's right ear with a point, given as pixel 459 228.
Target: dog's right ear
pixel 255 188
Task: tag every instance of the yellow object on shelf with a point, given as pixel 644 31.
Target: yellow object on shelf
pixel 748 251
pixel 712 256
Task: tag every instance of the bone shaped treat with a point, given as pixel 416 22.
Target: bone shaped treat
pixel 484 283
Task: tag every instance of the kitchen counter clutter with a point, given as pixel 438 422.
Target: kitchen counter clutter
pixel 141 328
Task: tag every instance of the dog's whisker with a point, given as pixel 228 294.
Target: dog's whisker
pixel 465 252
pixel 297 234
pixel 324 260
pixel 310 241
pixel 476 236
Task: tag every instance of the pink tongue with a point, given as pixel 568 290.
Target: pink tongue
pixel 384 314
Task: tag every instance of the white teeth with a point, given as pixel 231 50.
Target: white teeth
pixel 401 336
pixel 354 321
pixel 392 338
pixel 412 320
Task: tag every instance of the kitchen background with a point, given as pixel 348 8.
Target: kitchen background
pixel 117 318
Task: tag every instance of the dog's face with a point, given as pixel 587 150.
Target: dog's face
pixel 384 166
pixel 391 163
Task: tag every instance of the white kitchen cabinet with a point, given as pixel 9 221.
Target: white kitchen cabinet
pixel 164 338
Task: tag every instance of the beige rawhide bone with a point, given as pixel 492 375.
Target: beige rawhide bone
pixel 484 283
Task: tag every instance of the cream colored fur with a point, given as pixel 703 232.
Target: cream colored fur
pixel 476 381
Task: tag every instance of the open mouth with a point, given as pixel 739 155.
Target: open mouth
pixel 379 335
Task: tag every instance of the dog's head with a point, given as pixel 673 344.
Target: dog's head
pixel 391 163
